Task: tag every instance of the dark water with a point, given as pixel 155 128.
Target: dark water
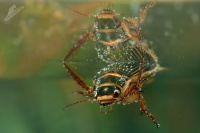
pixel 34 87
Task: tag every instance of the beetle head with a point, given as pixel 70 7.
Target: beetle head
pixel 107 19
pixel 107 95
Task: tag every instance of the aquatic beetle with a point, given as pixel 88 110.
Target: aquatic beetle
pixel 130 62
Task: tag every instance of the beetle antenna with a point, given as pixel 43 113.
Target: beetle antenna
pixel 84 14
pixel 82 101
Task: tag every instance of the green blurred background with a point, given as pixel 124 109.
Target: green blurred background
pixel 34 87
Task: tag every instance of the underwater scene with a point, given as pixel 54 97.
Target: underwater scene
pixel 37 87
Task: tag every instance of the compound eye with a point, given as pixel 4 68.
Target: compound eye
pixel 116 93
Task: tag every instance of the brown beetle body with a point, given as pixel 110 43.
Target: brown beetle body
pixel 130 61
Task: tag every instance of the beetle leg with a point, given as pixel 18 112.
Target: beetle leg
pixel 143 11
pixel 135 88
pixel 86 36
pixel 143 110
pixel 89 89
pixel 138 81
pixel 137 31
pixel 80 82
pixel 136 22
pixel 136 34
